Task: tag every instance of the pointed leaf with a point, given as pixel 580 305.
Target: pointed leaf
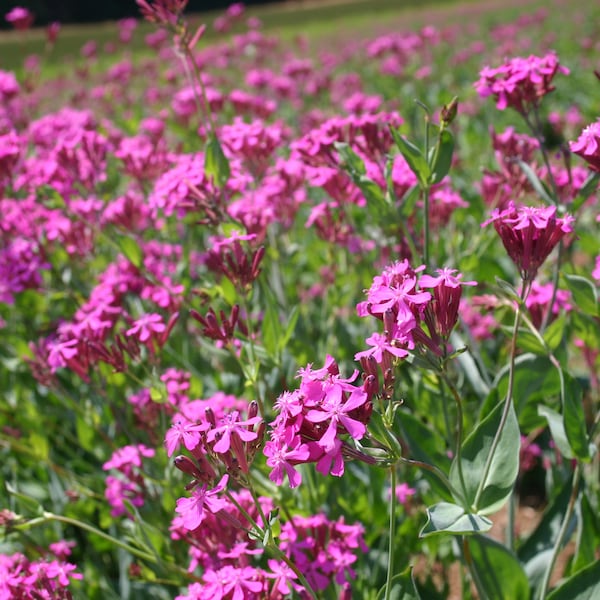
pixel 555 332
pixel 574 418
pixel 496 479
pixel 216 164
pixel 538 185
pixel 584 294
pixel 584 585
pixel 588 534
pixel 131 250
pixel 557 429
pixel 445 517
pixel 498 570
pixel 413 156
pixel 442 156
pixel 403 587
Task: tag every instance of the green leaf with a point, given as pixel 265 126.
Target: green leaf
pixel 442 156
pixel 498 570
pixel 497 483
pixel 584 294
pixel 350 160
pixel 445 517
pixel 355 167
pixel 271 328
pixel 584 585
pixel 85 434
pixel 588 534
pixel 574 418
pixel 414 157
pixel 409 200
pixel 31 504
pixel 528 342
pixel 557 429
pixel 535 380
pixel 423 445
pixel 131 250
pixel 538 185
pixel 403 587
pixel 289 328
pixel 536 550
pixel 216 164
pixel 555 332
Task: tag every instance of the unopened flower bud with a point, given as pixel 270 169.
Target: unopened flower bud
pixel 449 111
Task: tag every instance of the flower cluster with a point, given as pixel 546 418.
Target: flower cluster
pixel 520 83
pixel 529 234
pixel 130 484
pixel 44 578
pixel 315 421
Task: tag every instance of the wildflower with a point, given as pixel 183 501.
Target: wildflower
pixel 588 145
pixel 193 510
pixel 529 234
pixel 447 291
pixel 20 18
pixel 520 83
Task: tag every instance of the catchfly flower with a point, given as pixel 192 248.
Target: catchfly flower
pixel 520 83
pixel 529 234
pixel 588 145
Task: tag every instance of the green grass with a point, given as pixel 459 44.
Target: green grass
pixel 286 20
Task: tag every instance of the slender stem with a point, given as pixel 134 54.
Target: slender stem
pixel 510 526
pixel 563 530
pixel 555 277
pixel 509 396
pixel 459 431
pixel 392 534
pixel 147 556
pixel 272 546
pixel 426 226
pixel 433 469
pixel 471 568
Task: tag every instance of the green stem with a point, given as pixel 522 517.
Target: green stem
pixel 426 226
pixel 561 534
pixel 392 534
pixel 459 431
pixel 271 545
pixel 47 517
pixel 509 396
pixel 471 568
pixel 510 526
pixel 432 469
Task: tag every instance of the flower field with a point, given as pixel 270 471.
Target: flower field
pixel 302 312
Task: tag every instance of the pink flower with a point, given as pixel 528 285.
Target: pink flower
pixel 403 492
pixel 146 327
pixel 588 145
pixel 192 510
pixel 186 432
pixel 282 453
pixel 20 18
pixel 520 82
pixel 447 292
pixel 529 234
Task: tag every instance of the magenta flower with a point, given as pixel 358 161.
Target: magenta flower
pixel 588 145
pixel 282 453
pixel 529 234
pixel 403 492
pixel 20 18
pixel 185 432
pixel 193 510
pixel 447 292
pixel 146 327
pixel 520 83
pixel 230 426
pixel 334 409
